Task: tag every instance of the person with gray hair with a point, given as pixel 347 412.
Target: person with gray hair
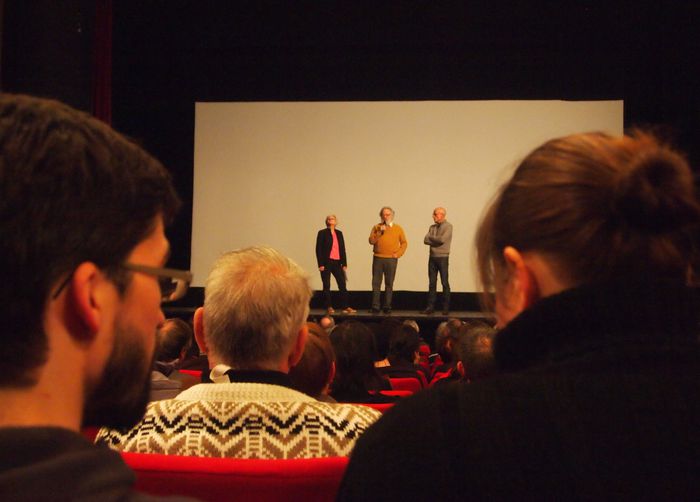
pixel 259 323
pixel 252 327
pixel 389 241
pixel 439 238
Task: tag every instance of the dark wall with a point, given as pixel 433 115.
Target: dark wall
pixel 169 54
pixel 47 49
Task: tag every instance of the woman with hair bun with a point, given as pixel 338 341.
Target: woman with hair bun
pixel 589 251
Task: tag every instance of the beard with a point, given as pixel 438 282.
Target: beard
pixel 119 400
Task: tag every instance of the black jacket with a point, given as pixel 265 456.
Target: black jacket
pixel 598 399
pixel 324 243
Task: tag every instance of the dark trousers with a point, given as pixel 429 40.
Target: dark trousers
pixel 333 267
pixel 438 264
pixel 383 267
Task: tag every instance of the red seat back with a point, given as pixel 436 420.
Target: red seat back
pixel 439 376
pixel 399 393
pixel 412 384
pixel 196 373
pixel 215 479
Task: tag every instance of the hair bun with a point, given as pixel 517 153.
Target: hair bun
pixel 656 194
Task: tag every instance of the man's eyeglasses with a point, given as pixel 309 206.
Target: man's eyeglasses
pixel 173 282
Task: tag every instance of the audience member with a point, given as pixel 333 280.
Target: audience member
pixel 382 333
pixel 82 211
pixel 412 323
pixel 252 327
pixel 473 352
pixel 424 357
pixel 173 341
pixel 315 370
pixel 444 342
pixel 356 379
pixel 435 360
pixel 195 359
pixel 404 355
pixel 327 323
pixel 589 249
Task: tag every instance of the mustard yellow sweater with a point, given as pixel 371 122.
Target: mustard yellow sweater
pixel 393 240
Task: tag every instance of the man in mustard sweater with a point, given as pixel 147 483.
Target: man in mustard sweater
pixel 390 244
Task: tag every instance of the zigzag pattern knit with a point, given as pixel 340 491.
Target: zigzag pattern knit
pixel 236 426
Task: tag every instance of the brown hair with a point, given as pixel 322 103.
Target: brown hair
pixel 71 190
pixel 312 373
pixel 172 337
pixel 599 207
pixel 474 348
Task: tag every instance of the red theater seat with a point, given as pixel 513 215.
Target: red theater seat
pixel 411 384
pixel 250 480
pixel 399 393
pixel 195 373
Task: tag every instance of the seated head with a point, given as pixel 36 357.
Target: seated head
pixel 80 205
pixel 445 339
pixel 175 337
pixel 353 345
pixel 256 302
pixel 327 323
pixel 473 351
pixel 588 208
pixel 316 368
pixel 403 345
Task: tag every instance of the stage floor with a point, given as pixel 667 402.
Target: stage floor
pixel 365 315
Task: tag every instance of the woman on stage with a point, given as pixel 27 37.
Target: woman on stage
pixel 331 259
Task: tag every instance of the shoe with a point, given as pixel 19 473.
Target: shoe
pixel 387 310
pixel 373 311
pixel 330 310
pixel 349 310
pixel 428 311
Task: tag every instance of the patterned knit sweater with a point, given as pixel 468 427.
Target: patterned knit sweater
pixel 244 420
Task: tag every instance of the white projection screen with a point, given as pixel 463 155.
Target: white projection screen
pixel 267 173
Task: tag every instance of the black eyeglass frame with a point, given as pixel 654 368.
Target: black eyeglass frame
pixel 182 278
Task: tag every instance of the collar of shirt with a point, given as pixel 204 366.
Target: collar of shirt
pixel 223 373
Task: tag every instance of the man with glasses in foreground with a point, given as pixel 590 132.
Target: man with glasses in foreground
pixel 82 213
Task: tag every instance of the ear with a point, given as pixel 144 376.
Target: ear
pixel 84 300
pixel 522 289
pixel 298 348
pixel 199 337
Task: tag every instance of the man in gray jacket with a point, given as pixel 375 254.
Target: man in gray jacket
pixel 439 238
